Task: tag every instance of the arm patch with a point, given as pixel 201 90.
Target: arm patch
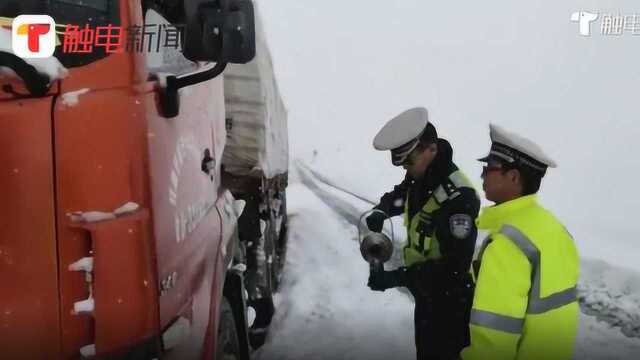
pixel 460 225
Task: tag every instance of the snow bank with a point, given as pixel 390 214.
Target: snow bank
pixel 49 66
pixel 612 295
pixel 599 341
pixel 257 142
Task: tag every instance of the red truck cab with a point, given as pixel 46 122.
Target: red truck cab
pixel 116 236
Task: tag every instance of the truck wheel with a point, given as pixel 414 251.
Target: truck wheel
pixel 274 264
pixel 282 242
pixel 228 346
pixel 263 305
pixel 280 248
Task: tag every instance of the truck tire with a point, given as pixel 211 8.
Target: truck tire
pixel 263 305
pixel 283 235
pixel 228 345
pixel 273 254
pixel 279 251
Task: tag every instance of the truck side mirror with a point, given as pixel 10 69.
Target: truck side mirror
pixel 220 31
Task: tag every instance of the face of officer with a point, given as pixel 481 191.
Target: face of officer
pixel 419 160
pixel 500 182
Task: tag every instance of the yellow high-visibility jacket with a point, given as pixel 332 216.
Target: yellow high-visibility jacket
pixel 525 304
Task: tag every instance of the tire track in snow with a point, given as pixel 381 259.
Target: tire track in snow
pixel 310 178
pixel 341 207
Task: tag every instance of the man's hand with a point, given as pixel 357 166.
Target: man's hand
pixel 380 280
pixel 375 221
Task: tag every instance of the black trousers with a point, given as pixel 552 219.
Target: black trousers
pixel 442 325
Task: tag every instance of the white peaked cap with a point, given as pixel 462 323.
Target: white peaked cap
pixel 402 129
pixel 504 142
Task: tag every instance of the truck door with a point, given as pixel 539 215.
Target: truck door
pixel 185 183
pixel 29 307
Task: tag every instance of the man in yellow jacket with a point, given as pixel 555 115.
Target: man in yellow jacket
pixel 524 305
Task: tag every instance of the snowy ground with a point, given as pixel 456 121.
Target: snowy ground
pixel 326 311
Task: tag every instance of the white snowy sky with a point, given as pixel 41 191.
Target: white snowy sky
pixel 346 67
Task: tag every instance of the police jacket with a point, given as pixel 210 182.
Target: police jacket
pixel 440 211
pixel 525 304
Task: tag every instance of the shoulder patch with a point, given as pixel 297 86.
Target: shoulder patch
pixel 460 225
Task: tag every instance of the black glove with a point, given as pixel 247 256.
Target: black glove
pixel 375 221
pixel 380 280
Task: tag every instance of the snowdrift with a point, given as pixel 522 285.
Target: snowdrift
pixel 611 294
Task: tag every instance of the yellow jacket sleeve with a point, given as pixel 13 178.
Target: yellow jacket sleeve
pixel 500 302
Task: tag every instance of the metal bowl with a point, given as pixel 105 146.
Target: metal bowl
pixel 376 248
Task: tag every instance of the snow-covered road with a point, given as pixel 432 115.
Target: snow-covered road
pixel 324 308
pixel 326 311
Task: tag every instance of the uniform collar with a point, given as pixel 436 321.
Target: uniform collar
pixel 435 175
pixel 492 217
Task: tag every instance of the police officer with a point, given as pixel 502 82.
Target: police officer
pixel 439 206
pixel 525 298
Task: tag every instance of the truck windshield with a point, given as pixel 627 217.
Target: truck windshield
pixel 74 12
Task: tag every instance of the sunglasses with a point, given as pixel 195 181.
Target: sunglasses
pixel 490 168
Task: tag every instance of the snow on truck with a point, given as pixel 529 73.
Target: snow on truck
pixel 138 217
